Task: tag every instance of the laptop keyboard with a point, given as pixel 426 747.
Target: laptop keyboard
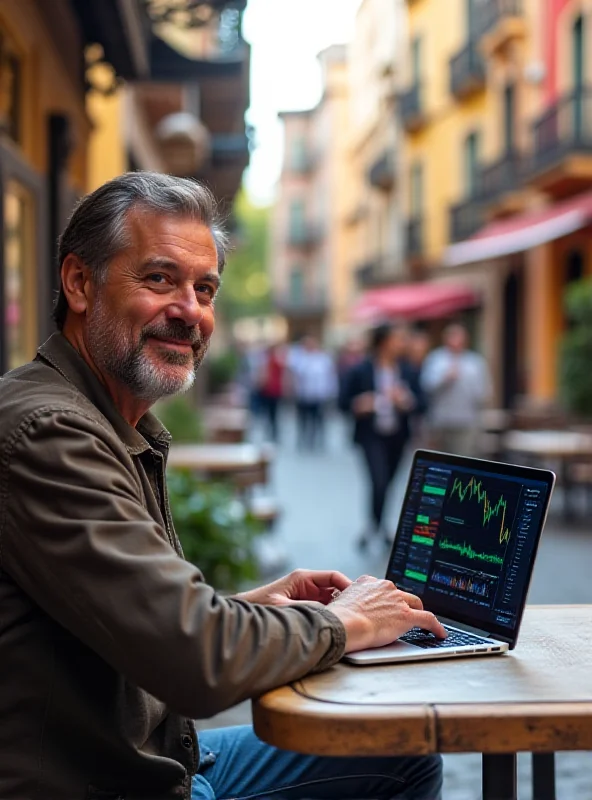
pixel 455 638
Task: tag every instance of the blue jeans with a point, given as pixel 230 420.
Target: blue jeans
pixel 236 765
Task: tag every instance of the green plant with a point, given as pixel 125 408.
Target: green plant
pixel 215 529
pixel 575 362
pixel 222 369
pixel 181 419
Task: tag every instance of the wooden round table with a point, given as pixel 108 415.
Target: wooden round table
pixel 538 699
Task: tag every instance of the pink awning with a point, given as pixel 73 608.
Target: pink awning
pixel 413 301
pixel 520 233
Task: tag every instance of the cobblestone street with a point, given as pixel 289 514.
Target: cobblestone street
pixel 322 500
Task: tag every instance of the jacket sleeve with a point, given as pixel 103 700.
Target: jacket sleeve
pixel 76 537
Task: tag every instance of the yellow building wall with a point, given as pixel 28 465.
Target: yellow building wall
pixel 107 157
pixel 48 88
pixel 439 145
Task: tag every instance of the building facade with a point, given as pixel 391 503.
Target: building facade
pixel 307 251
pixel 534 183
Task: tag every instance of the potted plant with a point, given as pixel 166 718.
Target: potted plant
pixel 575 358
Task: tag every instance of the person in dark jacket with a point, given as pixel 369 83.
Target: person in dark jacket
pixel 381 393
pixel 111 644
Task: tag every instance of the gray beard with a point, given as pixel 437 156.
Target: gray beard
pixel 113 350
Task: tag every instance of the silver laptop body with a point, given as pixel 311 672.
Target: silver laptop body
pixel 466 544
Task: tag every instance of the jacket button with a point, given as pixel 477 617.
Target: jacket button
pixel 187 741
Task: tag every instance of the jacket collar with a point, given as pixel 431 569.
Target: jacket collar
pixel 59 353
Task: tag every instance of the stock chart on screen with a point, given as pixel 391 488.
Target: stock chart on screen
pixel 465 539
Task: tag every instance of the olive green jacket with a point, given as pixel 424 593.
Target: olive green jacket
pixel 111 643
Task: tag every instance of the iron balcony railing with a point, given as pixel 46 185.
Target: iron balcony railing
pixel 414 244
pixel 304 235
pixel 501 176
pixel 466 218
pixel 467 70
pixel 381 173
pixel 411 106
pixel 565 127
pixel 490 12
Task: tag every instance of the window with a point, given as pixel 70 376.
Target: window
pixel 509 117
pixel 471 164
pixel 296 285
pixel 416 60
pixel 298 156
pixel 10 90
pixel 19 284
pixel 416 191
pixel 297 217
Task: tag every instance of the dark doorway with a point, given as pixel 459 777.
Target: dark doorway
pixel 512 361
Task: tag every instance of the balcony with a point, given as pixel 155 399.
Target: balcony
pixel 466 218
pixel 381 174
pixel 304 163
pixel 304 236
pixel 501 178
pixel 414 244
pixel 562 146
pixel 412 109
pixel 467 72
pixel 302 307
pixel 498 22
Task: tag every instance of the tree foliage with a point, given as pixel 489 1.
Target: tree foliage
pixel 246 290
pixel 575 363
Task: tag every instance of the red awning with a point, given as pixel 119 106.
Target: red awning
pixel 520 233
pixel 413 301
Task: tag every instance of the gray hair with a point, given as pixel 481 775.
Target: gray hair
pixel 98 228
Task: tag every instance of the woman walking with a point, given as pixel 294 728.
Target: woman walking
pixel 381 393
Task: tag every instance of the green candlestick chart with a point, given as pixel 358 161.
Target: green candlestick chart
pixel 474 491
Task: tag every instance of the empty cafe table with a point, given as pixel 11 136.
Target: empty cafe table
pixel 536 699
pixel 244 464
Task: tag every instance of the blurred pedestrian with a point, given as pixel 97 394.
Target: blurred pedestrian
pixel 314 386
pixel 251 365
pixel 381 393
pixel 271 387
pixel 420 343
pixel 457 383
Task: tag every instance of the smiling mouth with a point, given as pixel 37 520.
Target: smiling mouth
pixel 184 345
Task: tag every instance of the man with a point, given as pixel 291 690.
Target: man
pixel 314 386
pixel 381 393
pixel 110 643
pixel 457 383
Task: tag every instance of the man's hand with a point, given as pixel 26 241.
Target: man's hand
pixel 300 586
pixel 363 404
pixel 375 613
pixel 402 398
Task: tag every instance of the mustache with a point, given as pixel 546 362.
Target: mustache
pixel 174 329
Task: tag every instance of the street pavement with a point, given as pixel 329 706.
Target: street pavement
pixel 322 496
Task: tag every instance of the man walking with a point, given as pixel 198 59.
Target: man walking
pixel 457 383
pixel 110 643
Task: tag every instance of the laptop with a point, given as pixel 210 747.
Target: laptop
pixel 466 544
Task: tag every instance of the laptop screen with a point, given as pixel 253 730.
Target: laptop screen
pixel 467 538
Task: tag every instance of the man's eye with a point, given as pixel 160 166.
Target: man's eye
pixel 156 277
pixel 207 289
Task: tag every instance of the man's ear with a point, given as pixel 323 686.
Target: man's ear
pixel 76 283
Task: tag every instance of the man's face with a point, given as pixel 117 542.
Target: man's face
pixel 150 322
pixel 456 339
pixel 398 342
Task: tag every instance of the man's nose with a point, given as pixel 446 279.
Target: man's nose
pixel 187 307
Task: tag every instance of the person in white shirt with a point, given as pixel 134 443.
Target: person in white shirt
pixel 457 383
pixel 314 386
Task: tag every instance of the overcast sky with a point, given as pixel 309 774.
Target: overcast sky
pixel 285 37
